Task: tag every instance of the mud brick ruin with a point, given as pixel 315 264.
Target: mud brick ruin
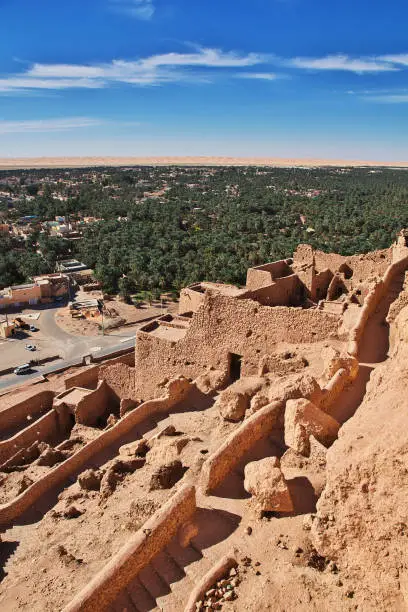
pixel 228 462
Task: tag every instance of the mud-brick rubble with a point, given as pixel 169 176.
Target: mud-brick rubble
pixel 285 457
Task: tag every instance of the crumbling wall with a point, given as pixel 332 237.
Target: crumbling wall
pixel 225 325
pixel 45 430
pixel 94 405
pixel 177 392
pixel 17 414
pixel 157 532
pixel 364 266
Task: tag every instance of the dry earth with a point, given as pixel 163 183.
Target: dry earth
pixel 75 162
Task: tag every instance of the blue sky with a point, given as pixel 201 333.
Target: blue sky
pixel 278 78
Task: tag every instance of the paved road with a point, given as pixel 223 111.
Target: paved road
pixel 13 379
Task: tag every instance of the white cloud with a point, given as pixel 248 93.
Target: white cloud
pixel 48 125
pixel 343 62
pixel 401 59
pixel 153 70
pixel 265 76
pixel 141 9
pixel 389 98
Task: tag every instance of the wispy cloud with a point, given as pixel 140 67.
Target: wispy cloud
pixel 140 9
pixel 345 63
pixel 263 76
pixel 153 70
pixel 48 125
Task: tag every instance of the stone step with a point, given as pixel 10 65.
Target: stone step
pixel 190 560
pixel 180 584
pixel 123 603
pixel 153 583
pixel 140 596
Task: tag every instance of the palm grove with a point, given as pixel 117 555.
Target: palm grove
pixel 208 224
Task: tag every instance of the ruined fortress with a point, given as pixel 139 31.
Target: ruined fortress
pixel 171 478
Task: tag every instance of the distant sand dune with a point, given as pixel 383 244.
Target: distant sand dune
pixel 81 162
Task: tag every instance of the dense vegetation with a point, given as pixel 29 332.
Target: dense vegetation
pixel 213 223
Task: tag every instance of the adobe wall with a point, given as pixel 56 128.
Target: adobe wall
pixel 221 326
pixel 87 377
pixel 44 430
pixel 262 276
pixel 120 378
pixel 94 405
pixel 17 414
pixel 364 266
pixel 286 291
pixel 177 391
pixel 190 300
pixel 148 541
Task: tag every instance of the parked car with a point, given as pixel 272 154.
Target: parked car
pixel 30 347
pixel 33 328
pixel 23 369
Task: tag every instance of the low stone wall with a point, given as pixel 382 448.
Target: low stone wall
pixel 256 427
pixel 177 391
pixel 44 429
pixel 17 415
pixel 218 571
pixel 156 533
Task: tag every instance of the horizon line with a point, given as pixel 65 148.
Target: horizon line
pixel 49 162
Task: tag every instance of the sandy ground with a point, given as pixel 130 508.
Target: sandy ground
pixel 122 314
pixel 75 162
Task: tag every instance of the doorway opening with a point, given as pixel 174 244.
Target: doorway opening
pixel 235 366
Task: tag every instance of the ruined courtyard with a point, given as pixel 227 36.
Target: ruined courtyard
pixel 246 455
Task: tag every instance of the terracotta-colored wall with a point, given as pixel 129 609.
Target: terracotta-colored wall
pixel 16 415
pixel 190 300
pixel 221 326
pixel 120 378
pixel 286 291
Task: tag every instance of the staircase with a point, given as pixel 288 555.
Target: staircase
pixel 166 583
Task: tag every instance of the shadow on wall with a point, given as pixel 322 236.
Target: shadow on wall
pixel 214 526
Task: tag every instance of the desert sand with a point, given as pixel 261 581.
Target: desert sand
pixel 86 162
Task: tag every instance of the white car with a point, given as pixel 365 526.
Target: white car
pixel 23 369
pixel 30 347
